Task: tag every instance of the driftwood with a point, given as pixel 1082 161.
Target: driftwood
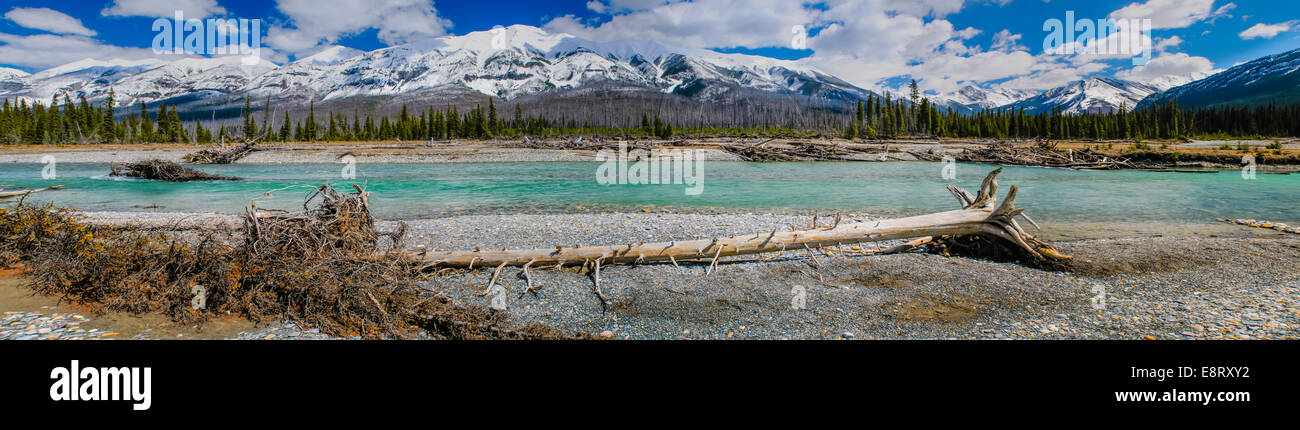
pixel 1042 154
pixel 220 156
pixel 164 170
pixel 980 216
pixel 768 150
pixel 20 193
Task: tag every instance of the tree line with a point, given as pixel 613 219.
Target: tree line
pixel 65 121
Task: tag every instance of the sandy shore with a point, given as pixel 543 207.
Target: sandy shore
pixel 1206 281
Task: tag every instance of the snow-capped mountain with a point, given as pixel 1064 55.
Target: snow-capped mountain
pixel 971 98
pixel 10 74
pixel 1271 79
pixel 135 81
pixel 75 78
pixel 1098 94
pixel 11 79
pixel 1166 82
pixel 509 63
pixel 522 60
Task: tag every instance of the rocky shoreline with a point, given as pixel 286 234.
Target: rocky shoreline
pixel 1222 282
pixel 1176 156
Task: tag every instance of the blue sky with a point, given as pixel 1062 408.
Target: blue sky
pixel 878 44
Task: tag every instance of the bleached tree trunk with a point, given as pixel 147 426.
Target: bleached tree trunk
pixel 979 216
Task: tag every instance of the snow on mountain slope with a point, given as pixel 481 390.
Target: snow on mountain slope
pixel 12 79
pixel 7 74
pixel 510 62
pixel 138 80
pixel 200 77
pixel 522 60
pixel 72 78
pixel 1271 79
pixel 971 98
pixel 1093 95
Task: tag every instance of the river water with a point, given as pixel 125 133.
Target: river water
pixel 891 188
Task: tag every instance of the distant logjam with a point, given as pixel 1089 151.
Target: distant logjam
pixel 220 156
pixel 1043 154
pixel 980 217
pixel 164 170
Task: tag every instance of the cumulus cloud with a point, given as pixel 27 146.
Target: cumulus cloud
pixel 1179 64
pixel 868 43
pixel 1166 14
pixel 46 19
pixel 619 6
pixel 879 43
pixel 43 51
pixel 698 24
pixel 1052 74
pixel 164 9
pixel 1168 43
pixel 312 24
pixel 1266 31
pixel 1005 41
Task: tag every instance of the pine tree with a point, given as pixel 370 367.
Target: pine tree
pixel 250 125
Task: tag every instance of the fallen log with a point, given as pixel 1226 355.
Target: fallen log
pixel 19 193
pixel 980 216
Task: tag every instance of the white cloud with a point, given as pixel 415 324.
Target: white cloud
pixel 164 9
pixel 1266 31
pixel 1179 64
pixel 1005 41
pixel 43 51
pixel 47 19
pixel 1164 44
pixel 1051 75
pixel 698 24
pixel 1171 13
pixel 312 24
pixel 873 43
pixel 924 8
pixel 620 6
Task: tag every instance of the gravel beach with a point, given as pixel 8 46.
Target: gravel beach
pixel 1187 286
pixel 1211 281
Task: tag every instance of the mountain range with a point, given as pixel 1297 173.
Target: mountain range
pixel 527 63
pixel 1271 79
pixel 518 61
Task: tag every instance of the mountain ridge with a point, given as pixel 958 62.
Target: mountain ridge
pixel 508 63
pixel 1269 79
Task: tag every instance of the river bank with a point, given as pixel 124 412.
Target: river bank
pixel 1210 281
pixel 1281 155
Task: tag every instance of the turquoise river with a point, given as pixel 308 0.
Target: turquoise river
pixel 894 188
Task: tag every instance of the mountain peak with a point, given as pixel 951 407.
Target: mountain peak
pixel 1096 94
pixel 10 74
pixel 333 54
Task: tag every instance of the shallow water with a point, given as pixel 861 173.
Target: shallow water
pixel 893 188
